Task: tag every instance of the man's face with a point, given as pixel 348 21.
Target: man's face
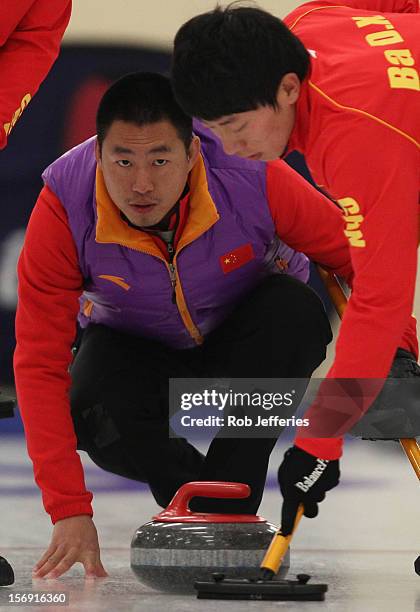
pixel 145 168
pixel 263 133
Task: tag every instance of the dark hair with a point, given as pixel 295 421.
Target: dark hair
pixel 142 98
pixel 232 59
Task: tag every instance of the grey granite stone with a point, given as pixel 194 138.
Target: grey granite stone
pixel 171 556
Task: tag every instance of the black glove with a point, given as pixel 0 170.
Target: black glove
pixel 304 479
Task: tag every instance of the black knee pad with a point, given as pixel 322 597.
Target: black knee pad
pixel 396 411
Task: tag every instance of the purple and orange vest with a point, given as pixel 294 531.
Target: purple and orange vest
pixel 228 245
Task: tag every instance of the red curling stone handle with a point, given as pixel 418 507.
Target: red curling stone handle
pixel 181 499
pixel 178 508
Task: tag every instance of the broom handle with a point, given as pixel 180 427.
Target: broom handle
pixel 338 298
pixel 278 547
pixel 336 293
pixel 412 450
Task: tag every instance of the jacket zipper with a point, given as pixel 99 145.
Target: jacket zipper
pixel 172 271
pixel 172 276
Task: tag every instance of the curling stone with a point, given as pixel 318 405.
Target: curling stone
pixel 180 546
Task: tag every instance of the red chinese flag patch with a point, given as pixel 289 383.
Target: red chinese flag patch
pixel 236 258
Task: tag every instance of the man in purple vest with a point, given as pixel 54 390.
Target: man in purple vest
pixel 177 261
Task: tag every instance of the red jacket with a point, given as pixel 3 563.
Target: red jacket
pixel 30 36
pixel 50 283
pixel 358 125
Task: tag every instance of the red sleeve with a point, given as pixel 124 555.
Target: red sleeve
pixel 30 36
pixel 50 283
pixel 307 221
pixel 381 176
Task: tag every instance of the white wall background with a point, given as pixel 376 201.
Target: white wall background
pixel 150 22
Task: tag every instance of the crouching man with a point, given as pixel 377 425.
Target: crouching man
pixel 177 261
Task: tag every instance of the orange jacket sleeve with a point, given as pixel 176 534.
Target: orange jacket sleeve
pixel 30 36
pixel 50 283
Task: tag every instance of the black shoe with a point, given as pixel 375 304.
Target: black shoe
pixel 7 404
pixel 6 573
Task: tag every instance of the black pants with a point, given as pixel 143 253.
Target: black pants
pixel 119 394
